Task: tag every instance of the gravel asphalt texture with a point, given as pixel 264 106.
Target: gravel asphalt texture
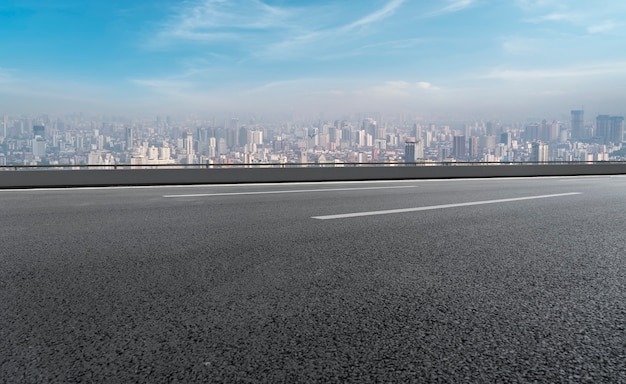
pixel 126 285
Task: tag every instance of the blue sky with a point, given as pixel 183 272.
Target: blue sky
pixel 456 57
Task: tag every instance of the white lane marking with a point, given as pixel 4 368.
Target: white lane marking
pixel 586 178
pixel 286 191
pixel 444 206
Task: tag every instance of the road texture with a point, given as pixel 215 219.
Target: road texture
pixel 495 280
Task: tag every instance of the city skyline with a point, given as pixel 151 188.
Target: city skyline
pixel 464 58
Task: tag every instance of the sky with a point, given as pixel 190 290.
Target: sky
pixel 437 57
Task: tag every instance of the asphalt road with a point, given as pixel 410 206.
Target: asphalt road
pixel 499 280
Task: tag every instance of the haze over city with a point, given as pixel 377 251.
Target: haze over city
pixel 460 59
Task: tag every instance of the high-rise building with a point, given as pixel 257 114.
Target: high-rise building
pixel 532 132
pixel 129 138
pixel 39 147
pixel 243 135
pixel 458 147
pixel 39 130
pixel 5 126
pixel 473 147
pixel 539 152
pixel 603 128
pixel 553 131
pixel 409 151
pixel 610 129
pixel 578 124
pixel 417 131
pixel 617 129
pixel 506 138
pixel 370 127
pixel 188 142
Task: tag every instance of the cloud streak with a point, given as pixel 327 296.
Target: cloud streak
pixel 376 16
pixel 453 6
pixel 600 69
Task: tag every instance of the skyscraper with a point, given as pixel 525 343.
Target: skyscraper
pixel 610 129
pixel 129 138
pixel 506 138
pixel 5 126
pixel 578 124
pixel 617 129
pixel 458 147
pixel 39 130
pixel 539 152
pixel 188 142
pixel 473 147
pixel 603 128
pixel 413 150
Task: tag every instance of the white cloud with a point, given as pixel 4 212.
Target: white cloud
pixel 426 85
pixel 205 20
pixel 606 26
pixel 555 16
pixel 453 6
pixel 592 17
pixel 610 68
pixel 376 16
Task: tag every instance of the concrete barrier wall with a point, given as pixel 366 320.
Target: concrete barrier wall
pixel 90 178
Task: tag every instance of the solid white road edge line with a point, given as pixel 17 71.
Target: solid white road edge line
pixel 444 206
pixel 287 191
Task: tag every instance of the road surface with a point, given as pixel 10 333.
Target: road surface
pixel 483 280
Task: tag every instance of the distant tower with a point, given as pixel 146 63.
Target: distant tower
pixel 458 147
pixel 417 131
pixel 409 150
pixel 243 136
pixel 473 147
pixel 188 142
pixel 603 128
pixel 617 129
pixel 539 152
pixel 578 124
pixel 39 147
pixel 5 126
pixel 505 138
pixel 129 138
pixel 370 127
pixel 413 150
pixel 39 130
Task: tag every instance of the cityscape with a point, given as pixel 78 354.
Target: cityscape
pixel 78 140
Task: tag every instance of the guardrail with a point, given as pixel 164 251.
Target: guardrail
pixel 15 167
pixel 90 176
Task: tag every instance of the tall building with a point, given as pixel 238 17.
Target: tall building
pixel 188 147
pixel 370 127
pixel 417 131
pixel 553 131
pixel 39 130
pixel 458 147
pixel 578 124
pixel 413 150
pixel 5 126
pixel 532 132
pixel 129 138
pixel 243 135
pixel 617 129
pixel 610 129
pixel 603 128
pixel 473 147
pixel 539 152
pixel 39 147
pixel 506 138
